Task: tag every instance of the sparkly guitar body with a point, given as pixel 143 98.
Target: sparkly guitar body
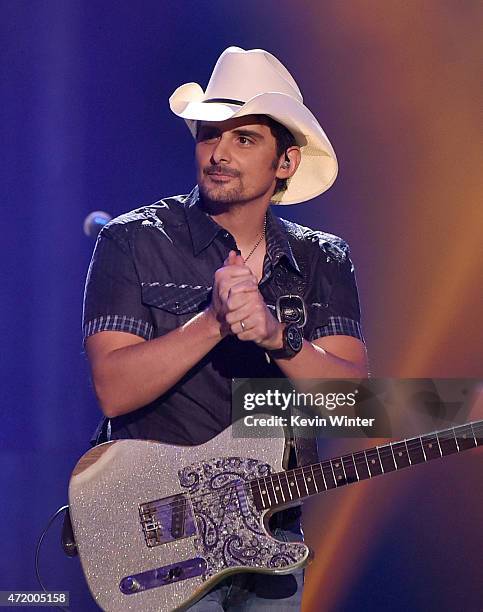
pixel 157 526
pixel 168 528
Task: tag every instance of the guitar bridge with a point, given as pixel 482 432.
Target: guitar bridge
pixel 167 519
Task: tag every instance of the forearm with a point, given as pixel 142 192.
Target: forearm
pixel 315 362
pixel 132 376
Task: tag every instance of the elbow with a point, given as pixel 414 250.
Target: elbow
pixel 362 371
pixel 109 410
pixel 106 398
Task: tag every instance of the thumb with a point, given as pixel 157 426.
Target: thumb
pixel 239 261
pixel 231 260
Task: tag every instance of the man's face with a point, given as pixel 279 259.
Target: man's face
pixel 236 160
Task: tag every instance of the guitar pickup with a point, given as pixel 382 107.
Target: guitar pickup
pixel 167 519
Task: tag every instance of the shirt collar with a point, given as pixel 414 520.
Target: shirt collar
pixel 278 244
pixel 203 231
pixel 202 228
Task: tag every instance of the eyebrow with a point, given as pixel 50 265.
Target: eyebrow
pixel 251 133
pixel 237 131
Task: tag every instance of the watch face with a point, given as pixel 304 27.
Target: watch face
pixel 294 338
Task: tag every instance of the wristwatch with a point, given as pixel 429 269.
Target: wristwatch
pixel 292 343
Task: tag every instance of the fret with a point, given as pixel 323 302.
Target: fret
pixel 299 479
pixel 447 442
pixel 477 435
pixel 284 483
pixel 465 437
pixel 328 475
pixel 266 492
pixel 431 447
pixel 301 485
pixel 317 490
pixel 319 477
pixel 407 451
pixel 436 436
pixel 275 492
pixel 278 486
pixel 380 462
pixel 349 469
pixel 422 448
pixel 455 439
pixel 373 461
pixel 355 466
pixel 360 461
pixel 293 486
pixel 387 458
pixel 338 470
pixel 257 494
pixel 310 480
pixel 401 455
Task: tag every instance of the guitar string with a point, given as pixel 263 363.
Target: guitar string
pixel 228 491
pixel 384 452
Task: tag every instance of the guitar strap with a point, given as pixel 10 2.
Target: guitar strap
pixel 102 433
pixel 306 450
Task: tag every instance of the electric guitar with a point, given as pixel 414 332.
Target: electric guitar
pixel 157 526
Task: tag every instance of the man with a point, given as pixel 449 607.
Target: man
pixel 180 295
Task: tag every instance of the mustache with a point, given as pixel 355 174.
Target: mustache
pixel 221 170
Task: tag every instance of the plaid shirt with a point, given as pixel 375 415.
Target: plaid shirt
pixel 152 270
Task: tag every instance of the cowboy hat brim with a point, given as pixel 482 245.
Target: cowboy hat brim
pixel 318 167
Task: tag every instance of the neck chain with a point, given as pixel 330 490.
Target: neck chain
pixel 262 236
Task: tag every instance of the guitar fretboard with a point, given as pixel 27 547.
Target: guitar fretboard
pixel 282 488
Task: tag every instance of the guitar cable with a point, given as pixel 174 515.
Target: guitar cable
pixel 37 550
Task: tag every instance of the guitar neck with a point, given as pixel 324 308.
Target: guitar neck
pixel 282 488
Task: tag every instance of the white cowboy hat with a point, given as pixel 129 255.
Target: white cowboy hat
pixel 255 82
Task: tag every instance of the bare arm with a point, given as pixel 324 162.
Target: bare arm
pixel 335 356
pixel 328 357
pixel 129 372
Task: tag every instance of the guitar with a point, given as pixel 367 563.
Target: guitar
pixel 157 526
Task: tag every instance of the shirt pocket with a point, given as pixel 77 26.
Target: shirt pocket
pixel 174 304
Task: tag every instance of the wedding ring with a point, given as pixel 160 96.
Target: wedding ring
pixel 242 325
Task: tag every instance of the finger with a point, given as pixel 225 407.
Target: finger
pixel 235 271
pixel 228 284
pixel 243 286
pixel 247 298
pixel 239 314
pixel 230 260
pixel 236 262
pixel 239 261
pixel 225 291
pixel 240 328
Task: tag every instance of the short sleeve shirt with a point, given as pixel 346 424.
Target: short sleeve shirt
pixel 152 271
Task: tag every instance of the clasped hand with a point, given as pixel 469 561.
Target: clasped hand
pixel 239 306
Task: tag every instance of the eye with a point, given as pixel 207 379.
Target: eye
pixel 207 135
pixel 244 140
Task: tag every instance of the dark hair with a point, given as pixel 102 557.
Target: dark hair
pixel 283 140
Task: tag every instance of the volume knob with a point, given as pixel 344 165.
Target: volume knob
pixel 130 585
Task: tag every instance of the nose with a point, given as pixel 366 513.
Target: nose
pixel 221 151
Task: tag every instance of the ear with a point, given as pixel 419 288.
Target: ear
pixel 288 163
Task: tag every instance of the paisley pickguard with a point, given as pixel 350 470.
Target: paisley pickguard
pixel 230 527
